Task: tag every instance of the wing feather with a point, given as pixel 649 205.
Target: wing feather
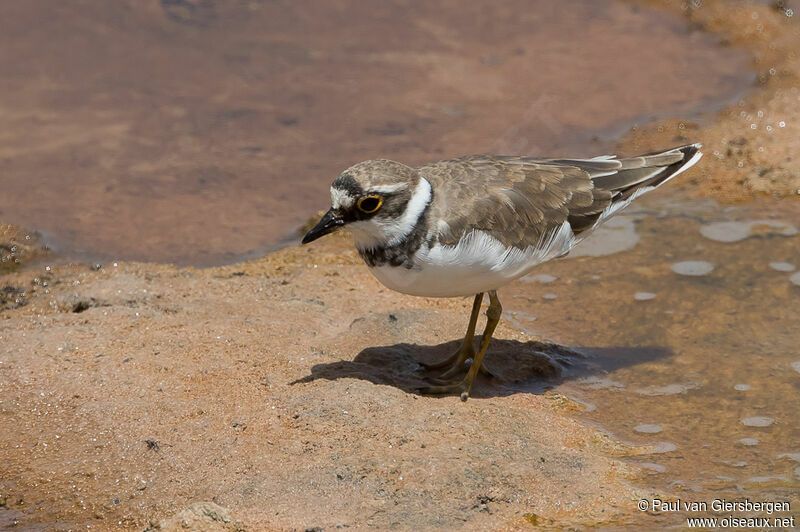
pixel 522 200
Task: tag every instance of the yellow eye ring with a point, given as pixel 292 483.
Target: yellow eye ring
pixel 369 204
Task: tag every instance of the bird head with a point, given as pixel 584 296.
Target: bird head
pixel 379 201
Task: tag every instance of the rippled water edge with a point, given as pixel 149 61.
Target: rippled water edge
pixel 691 331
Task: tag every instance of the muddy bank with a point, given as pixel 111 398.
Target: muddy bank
pixel 284 391
pixel 19 248
pixel 751 147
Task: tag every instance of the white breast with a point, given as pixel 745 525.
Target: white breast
pixel 478 263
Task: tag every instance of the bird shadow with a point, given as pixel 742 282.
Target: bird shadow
pixel 516 367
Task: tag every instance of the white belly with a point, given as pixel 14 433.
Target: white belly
pixel 478 263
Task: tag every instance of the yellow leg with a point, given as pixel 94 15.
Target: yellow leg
pixel 467 350
pixel 493 314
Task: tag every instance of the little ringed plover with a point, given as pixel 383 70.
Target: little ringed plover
pixel 470 225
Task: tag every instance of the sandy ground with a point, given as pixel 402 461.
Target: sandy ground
pixel 280 393
pixel 284 391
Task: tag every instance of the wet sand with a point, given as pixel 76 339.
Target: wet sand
pixel 204 133
pixel 277 390
pixel 133 391
pixel 753 144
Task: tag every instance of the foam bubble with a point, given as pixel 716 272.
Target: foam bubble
pixel 663 447
pixel 736 231
pixel 539 278
pixel 658 468
pixel 648 428
pixel 782 266
pixel 693 267
pixel 616 235
pixel 669 389
pixel 757 421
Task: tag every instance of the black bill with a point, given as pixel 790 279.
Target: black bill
pixel 327 224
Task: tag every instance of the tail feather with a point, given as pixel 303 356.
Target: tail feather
pixel 616 186
pixel 645 171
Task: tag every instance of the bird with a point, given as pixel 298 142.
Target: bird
pixel 468 226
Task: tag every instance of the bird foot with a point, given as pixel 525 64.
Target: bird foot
pixel 444 385
pixel 461 387
pixel 456 366
pixel 451 361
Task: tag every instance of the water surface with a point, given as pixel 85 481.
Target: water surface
pixel 205 132
pixel 702 378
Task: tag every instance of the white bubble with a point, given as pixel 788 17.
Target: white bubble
pixel 693 267
pixel 736 231
pixel 540 278
pixel 654 467
pixel 669 389
pixel 782 266
pixel 648 428
pixel 616 235
pixel 757 421
pixel 663 447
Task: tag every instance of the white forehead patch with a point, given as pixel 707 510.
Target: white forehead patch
pixel 341 199
pixel 388 189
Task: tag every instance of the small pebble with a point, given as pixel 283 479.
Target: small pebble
pixel 643 296
pixel 749 441
pixel 741 387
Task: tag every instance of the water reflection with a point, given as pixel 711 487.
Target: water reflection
pixel 726 317
pixel 206 132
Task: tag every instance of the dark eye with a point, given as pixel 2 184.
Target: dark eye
pixel 369 204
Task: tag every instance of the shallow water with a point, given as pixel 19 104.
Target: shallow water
pixel 707 371
pixel 206 132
